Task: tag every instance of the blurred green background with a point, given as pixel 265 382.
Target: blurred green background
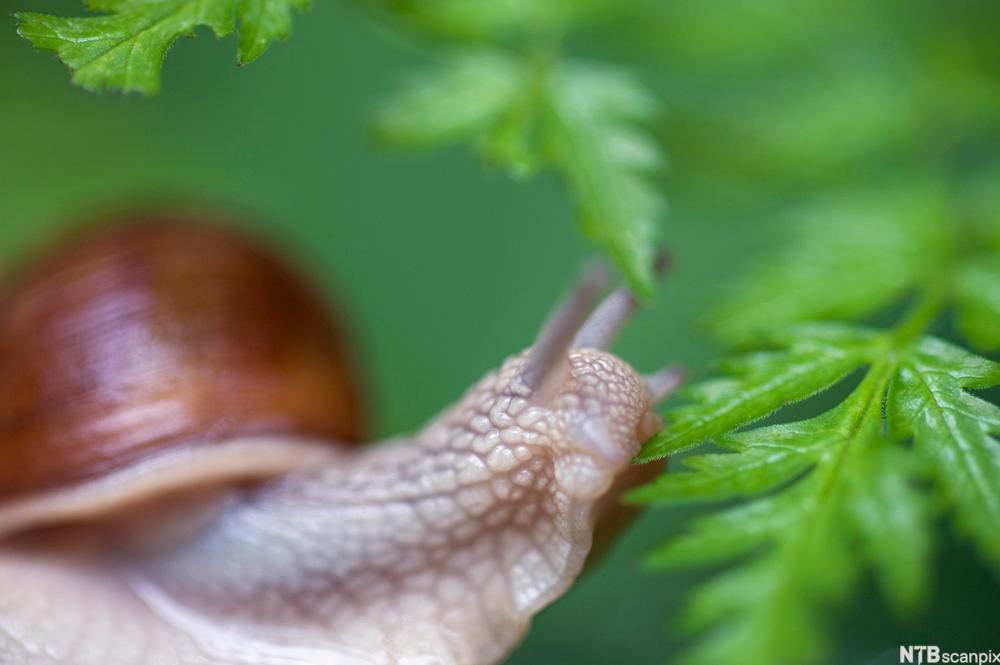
pixel 443 267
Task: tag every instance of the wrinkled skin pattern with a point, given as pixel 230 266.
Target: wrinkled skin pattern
pixel 432 550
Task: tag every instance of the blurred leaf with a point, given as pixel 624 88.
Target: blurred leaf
pixel 980 209
pixel 757 384
pixel 728 534
pixel 847 259
pixel 834 115
pixel 124 48
pixel 762 617
pixel 891 516
pixel 474 95
pixel 736 34
pixel 583 120
pixel 978 301
pixel 488 20
pixel 837 92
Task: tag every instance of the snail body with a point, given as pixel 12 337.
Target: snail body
pixel 178 482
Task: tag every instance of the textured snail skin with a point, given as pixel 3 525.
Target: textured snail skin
pixel 435 549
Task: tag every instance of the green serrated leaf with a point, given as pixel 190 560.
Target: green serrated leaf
pixel 977 289
pixel 819 357
pixel 762 459
pixel 954 432
pixel 125 47
pixel 822 486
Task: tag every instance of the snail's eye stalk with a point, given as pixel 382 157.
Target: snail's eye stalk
pixel 548 359
pixel 603 325
pixel 577 323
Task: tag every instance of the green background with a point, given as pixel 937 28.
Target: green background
pixel 442 267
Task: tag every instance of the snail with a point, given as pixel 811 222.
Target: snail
pixel 180 480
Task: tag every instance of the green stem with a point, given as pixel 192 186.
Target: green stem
pixel 919 318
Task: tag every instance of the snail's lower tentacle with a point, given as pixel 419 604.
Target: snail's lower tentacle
pixel 662 383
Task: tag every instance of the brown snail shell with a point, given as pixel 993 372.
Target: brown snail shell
pixel 146 337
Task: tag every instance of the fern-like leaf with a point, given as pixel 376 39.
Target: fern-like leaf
pixel 802 531
pixel 583 120
pixel 605 158
pixel 831 495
